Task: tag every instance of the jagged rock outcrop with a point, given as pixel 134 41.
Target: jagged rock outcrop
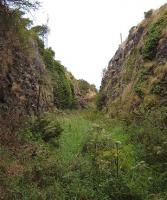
pixel 85 93
pixel 136 76
pixel 31 80
pixel 19 79
pixel 21 68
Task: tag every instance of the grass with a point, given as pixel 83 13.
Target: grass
pixel 79 131
pixel 83 165
pixel 74 136
pixel 153 36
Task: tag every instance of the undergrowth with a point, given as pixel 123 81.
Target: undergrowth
pixel 95 158
pixel 153 36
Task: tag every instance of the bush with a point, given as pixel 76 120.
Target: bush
pixel 63 88
pixel 160 88
pixel 141 83
pixel 42 129
pixel 130 65
pixel 47 129
pixel 84 86
pixel 101 101
pixel 63 91
pixel 138 90
pixel 153 37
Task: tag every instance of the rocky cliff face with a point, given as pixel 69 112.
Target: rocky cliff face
pixel 31 80
pixel 85 93
pixel 20 70
pixel 136 77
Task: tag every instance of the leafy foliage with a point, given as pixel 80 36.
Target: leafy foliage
pixel 100 100
pixel 63 92
pixel 84 86
pixel 42 129
pixel 21 4
pixel 41 30
pixel 130 64
pixel 160 88
pixel 63 89
pixel 153 37
pixel 98 159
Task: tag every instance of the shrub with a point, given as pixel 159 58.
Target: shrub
pixel 47 129
pixel 160 88
pixel 141 84
pixel 153 37
pixel 63 89
pixel 130 65
pixel 83 86
pixel 138 90
pixel 42 129
pixel 100 101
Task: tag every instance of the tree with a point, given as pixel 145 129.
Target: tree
pixel 84 86
pixel 41 30
pixel 21 4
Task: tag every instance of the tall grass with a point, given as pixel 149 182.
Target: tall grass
pixel 74 136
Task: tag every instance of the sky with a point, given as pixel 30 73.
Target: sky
pixel 85 34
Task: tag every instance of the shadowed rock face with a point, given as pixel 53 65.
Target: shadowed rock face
pixel 131 77
pixel 25 81
pixel 20 70
pixel 116 64
pixel 162 51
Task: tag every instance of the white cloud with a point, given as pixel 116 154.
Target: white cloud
pixel 86 33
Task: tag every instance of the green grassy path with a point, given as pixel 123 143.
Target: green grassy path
pixel 76 126
pixel 99 135
pixel 74 136
pixel 92 160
